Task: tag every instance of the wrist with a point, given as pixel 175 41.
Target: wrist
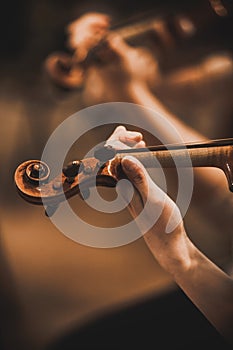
pixel 182 258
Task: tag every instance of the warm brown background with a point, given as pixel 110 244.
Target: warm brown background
pixel 48 282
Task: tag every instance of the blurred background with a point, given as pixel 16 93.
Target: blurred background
pixel 50 284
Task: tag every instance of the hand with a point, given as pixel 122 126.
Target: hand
pixel 167 238
pixel 123 69
pixel 86 32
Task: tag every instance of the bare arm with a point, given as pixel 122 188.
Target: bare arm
pixel 209 288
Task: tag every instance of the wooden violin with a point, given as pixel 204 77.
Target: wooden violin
pixel 67 71
pixel 33 182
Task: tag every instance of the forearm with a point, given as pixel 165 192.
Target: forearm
pixel 141 95
pixel 209 288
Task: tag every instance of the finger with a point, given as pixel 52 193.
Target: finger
pixel 93 18
pixel 113 140
pixel 87 31
pixel 118 145
pixel 140 144
pixel 130 138
pixel 118 131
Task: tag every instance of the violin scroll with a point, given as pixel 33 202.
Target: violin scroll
pixel 63 71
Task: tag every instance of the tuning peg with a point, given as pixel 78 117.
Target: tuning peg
pixel 72 169
pixel 105 153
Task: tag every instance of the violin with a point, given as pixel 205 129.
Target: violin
pixel 67 71
pixel 34 185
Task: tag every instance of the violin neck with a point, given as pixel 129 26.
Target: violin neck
pixel 219 156
pixel 196 157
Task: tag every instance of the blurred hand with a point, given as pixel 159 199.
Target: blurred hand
pixel 86 32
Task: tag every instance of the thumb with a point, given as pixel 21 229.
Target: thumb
pixel 137 174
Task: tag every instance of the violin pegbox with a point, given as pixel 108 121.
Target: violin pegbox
pixel 33 182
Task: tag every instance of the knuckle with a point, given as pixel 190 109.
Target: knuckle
pixel 120 128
